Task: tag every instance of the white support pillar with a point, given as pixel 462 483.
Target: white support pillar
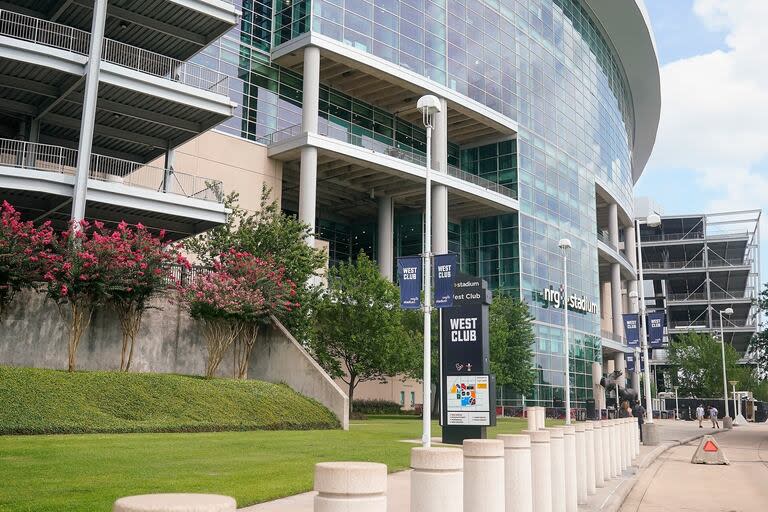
pixel 483 475
pixel 589 470
pixel 618 324
pixel 620 364
pixel 385 237
pixel 440 192
pixel 436 480
pixel 309 115
pixel 630 249
pixel 345 486
pixel 88 117
pixel 571 483
pixel 581 462
pixel 613 225
pixel 557 447
pixel 541 469
pixel 518 489
pixel 310 90
pixel 597 390
pixel 308 190
pixel 599 432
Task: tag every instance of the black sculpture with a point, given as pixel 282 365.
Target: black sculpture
pixel 610 383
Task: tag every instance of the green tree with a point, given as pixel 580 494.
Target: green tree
pixel 695 360
pixel 360 331
pixel 269 233
pixel 511 339
pixel 758 345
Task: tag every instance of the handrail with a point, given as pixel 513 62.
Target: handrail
pixel 694 235
pixel 63 37
pixel 482 182
pixel 673 265
pixel 58 159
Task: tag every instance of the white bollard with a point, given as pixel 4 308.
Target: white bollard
pixel 557 447
pixel 348 486
pixel 571 484
pixel 627 443
pixel 589 436
pixel 518 488
pixel 532 424
pixel 622 445
pixel 613 447
pixel 607 468
pixel 541 470
pixel 637 437
pixel 541 418
pixel 597 426
pixel 483 475
pixel 436 479
pixel 175 503
pixel 581 462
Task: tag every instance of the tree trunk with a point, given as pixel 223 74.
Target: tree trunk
pixel 219 336
pixel 351 393
pixel 81 317
pixel 130 322
pixel 243 348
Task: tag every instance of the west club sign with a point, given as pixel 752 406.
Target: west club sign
pixel 555 298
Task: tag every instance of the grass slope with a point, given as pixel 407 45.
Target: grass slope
pixel 36 401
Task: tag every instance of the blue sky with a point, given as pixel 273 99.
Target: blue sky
pixel 711 152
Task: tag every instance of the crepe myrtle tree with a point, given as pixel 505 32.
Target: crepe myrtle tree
pixel 360 334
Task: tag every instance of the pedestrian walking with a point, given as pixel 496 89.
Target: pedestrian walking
pixel 713 416
pixel 700 414
pixel 639 413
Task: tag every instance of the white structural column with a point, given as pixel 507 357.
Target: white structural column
pixel 557 448
pixel 581 462
pixel 630 249
pixel 385 237
pixel 440 192
pixel 483 475
pixel 345 486
pixel 589 446
pixel 88 119
pixel 518 488
pixel 309 114
pixel 618 326
pixel 599 456
pixel 541 469
pixel 597 390
pixel 620 364
pixel 571 483
pixel 436 480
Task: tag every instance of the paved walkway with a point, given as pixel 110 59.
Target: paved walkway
pixel 608 498
pixel 673 483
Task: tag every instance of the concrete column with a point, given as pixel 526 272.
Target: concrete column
pixel 345 486
pixel 571 483
pixel 483 475
pixel 385 237
pixel 620 364
pixel 311 89
pixel 599 431
pixel 613 224
pixel 581 462
pixel 308 190
pixel 436 480
pixel 557 447
pixel 309 114
pixel 589 470
pixel 88 117
pixel 531 417
pixel 618 325
pixel 636 378
pixel 541 417
pixel 607 471
pixel 440 192
pixel 541 469
pixel 175 501
pixel 597 390
pixel 518 488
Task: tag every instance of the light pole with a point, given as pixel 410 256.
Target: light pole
pixel 652 220
pixel 429 106
pixel 677 404
pixel 733 386
pixel 727 311
pixel 565 245
pixel 636 373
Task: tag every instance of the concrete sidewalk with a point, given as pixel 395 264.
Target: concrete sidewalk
pixel 608 498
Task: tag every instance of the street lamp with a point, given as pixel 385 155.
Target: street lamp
pixel 652 220
pixel 677 404
pixel 565 245
pixel 429 106
pixel 733 386
pixel 636 372
pixel 729 312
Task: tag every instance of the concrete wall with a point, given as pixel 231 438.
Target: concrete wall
pixel 34 335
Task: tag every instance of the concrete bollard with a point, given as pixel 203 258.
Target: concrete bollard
pixel 518 487
pixel 597 427
pixel 541 418
pixel 607 467
pixel 623 444
pixel 350 486
pixel 483 475
pixel 628 447
pixel 541 470
pixel 614 448
pixel 589 437
pixel 637 437
pixel 532 424
pixel 557 448
pixel 175 503
pixel 571 483
pixel 436 479
pixel 581 462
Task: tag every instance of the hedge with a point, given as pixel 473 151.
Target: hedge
pixel 375 406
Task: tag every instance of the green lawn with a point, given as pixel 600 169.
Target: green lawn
pixel 89 471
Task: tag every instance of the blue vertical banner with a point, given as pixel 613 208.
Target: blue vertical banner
pixel 631 329
pixel 656 329
pixel 445 274
pixel 409 279
pixel 630 358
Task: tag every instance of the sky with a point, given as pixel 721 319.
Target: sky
pixel 711 152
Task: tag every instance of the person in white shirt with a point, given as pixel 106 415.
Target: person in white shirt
pixel 700 414
pixel 713 417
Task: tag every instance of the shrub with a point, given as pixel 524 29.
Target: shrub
pixel 376 406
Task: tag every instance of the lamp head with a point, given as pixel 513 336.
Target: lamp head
pixel 728 311
pixel 733 383
pixel 564 244
pixel 428 104
pixel 653 220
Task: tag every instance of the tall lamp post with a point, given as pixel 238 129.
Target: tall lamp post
pixel 727 311
pixel 652 220
pixel 429 106
pixel 565 245
pixel 677 404
pixel 733 385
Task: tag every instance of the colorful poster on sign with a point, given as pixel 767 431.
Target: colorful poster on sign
pixel 655 329
pixel 445 274
pixel 409 279
pixel 632 329
pixel 468 400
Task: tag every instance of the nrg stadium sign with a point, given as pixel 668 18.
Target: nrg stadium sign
pixel 550 296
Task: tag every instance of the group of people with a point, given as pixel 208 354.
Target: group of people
pixel 711 412
pixel 634 410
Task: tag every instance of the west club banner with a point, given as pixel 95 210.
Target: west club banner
pixel 655 329
pixel 445 273
pixel 633 364
pixel 409 278
pixel 632 329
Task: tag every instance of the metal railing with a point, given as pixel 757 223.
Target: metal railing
pixel 694 235
pixel 680 297
pixel 482 182
pixel 57 159
pixel 63 37
pixel 729 262
pixel 672 265
pixel 606 239
pixel 612 336
pixel 689 325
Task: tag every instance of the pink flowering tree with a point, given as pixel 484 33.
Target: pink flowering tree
pixel 23 248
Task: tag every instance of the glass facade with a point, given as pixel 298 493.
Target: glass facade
pixel 544 64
